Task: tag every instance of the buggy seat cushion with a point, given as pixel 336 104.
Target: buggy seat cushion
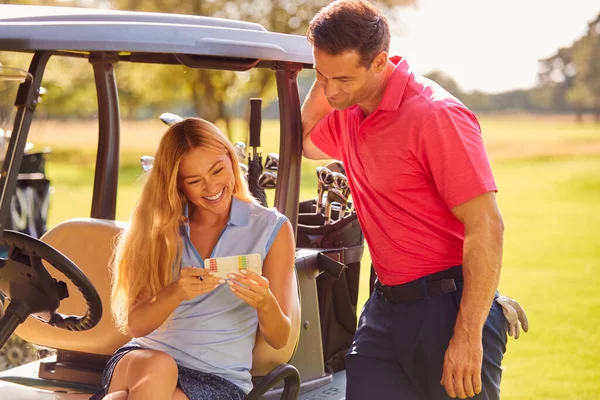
pixel 89 243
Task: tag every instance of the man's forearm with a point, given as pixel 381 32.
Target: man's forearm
pixel 481 269
pixel 314 109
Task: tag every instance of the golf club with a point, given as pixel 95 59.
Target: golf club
pixel 240 150
pixel 147 162
pixel 170 118
pixel 334 195
pixel 267 180
pixel 272 162
pixel 336 166
pixel 323 182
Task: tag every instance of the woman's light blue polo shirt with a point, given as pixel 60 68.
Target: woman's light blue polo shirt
pixel 215 333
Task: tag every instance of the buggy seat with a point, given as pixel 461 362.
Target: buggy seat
pixel 81 356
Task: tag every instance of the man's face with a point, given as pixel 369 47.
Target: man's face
pixel 344 81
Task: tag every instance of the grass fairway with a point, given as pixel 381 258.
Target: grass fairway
pixel 548 173
pixel 551 265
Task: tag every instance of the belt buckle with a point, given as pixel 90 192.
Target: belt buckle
pixel 379 288
pixel 448 286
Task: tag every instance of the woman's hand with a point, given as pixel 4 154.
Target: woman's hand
pixel 193 282
pixel 251 287
pixel 150 313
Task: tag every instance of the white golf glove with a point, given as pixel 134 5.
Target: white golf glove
pixel 515 315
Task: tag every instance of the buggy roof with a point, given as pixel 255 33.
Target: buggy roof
pixel 80 31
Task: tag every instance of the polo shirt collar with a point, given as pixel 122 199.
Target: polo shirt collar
pixel 394 91
pixel 239 214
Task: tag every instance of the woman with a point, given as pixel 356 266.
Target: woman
pixel 194 333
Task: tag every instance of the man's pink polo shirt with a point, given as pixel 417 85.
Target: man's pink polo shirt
pixel 412 160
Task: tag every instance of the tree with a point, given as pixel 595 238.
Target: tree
pixel 556 77
pixel 572 75
pixel 447 82
pixel 584 93
pixel 210 93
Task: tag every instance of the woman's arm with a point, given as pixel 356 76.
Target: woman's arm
pixel 272 294
pixel 148 313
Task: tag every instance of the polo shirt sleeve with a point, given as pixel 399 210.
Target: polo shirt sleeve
pixel 454 155
pixel 326 135
pixel 280 219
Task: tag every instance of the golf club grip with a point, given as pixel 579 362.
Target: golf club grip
pixel 255 121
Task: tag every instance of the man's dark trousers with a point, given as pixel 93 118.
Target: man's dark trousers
pixel 398 350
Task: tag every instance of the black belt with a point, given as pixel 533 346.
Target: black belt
pixel 437 284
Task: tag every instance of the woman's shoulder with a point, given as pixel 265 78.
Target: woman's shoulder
pixel 260 213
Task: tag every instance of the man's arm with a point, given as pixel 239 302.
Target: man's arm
pixel 482 259
pixel 314 109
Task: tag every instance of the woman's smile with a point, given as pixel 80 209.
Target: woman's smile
pixel 215 198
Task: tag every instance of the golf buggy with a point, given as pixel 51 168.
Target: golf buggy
pixel 56 290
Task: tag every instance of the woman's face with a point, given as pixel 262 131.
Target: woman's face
pixel 207 180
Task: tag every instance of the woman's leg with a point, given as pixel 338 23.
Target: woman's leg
pixel 179 395
pixel 145 374
pixel 120 395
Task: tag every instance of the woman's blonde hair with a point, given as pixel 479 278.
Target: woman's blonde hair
pixel 148 252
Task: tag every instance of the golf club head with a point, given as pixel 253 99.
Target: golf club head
pixel 336 166
pixel 335 196
pixel 325 175
pixel 272 162
pixel 244 170
pixel 147 162
pixel 170 118
pixel 240 150
pixel 340 182
pixel 267 180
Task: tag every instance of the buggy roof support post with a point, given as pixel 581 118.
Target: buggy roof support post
pixel 26 102
pixel 308 357
pixel 104 200
pixel 290 141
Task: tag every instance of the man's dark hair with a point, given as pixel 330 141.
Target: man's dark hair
pixel 346 25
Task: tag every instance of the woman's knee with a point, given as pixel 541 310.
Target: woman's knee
pixel 153 363
pixel 144 367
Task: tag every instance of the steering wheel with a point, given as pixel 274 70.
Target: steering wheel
pixel 33 291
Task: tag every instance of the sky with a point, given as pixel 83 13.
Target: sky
pixel 488 45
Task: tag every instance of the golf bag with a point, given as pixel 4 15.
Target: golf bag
pixel 342 243
pixel 29 205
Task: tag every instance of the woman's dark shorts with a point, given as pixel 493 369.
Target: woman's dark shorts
pixel 195 384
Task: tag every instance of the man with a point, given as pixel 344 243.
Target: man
pixel 424 193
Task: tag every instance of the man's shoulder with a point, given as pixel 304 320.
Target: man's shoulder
pixel 425 97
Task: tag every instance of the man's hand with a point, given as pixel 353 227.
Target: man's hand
pixel 461 375
pixel 515 315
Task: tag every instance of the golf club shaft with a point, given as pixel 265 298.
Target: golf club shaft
pixel 255 124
